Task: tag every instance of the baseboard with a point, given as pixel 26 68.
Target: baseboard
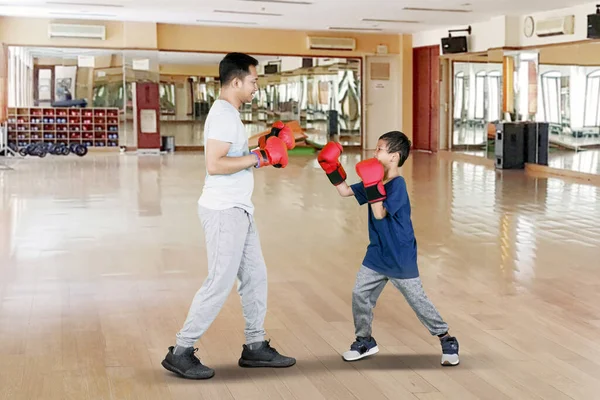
pixel 543 171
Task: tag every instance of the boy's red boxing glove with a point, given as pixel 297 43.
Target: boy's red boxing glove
pixel 283 132
pixel 371 172
pixel 274 153
pixel 329 160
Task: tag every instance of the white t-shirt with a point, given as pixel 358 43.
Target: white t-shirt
pixel 235 190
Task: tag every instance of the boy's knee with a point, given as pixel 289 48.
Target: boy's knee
pixel 358 296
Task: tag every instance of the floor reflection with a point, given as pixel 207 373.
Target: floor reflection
pixel 95 245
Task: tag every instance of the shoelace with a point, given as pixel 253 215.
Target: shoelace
pixel 359 345
pixel 269 348
pixel 449 344
pixel 192 355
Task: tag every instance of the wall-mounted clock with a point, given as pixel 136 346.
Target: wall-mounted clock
pixel 529 27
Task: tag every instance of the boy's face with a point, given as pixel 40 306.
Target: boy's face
pixel 388 160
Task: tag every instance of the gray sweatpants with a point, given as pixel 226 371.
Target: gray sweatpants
pixel 369 285
pixel 234 252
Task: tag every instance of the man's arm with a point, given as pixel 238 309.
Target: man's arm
pixel 217 162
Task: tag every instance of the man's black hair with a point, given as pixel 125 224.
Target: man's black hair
pixel 397 142
pixel 235 65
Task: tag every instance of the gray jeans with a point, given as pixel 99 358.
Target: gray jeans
pixel 234 253
pixel 368 287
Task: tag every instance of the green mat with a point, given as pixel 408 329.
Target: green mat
pixel 301 151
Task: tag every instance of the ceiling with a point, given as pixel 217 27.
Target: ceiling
pixel 317 15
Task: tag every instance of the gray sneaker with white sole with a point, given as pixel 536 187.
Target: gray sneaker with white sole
pixel 361 348
pixel 449 351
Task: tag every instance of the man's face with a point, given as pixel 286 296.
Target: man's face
pixel 248 86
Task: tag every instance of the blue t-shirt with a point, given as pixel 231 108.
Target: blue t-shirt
pixel 392 250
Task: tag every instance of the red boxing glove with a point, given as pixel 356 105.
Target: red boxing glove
pixel 371 172
pixel 329 160
pixel 274 153
pixel 283 132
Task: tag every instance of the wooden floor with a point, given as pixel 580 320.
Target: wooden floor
pixel 100 257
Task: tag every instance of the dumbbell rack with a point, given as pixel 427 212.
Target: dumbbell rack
pixel 93 127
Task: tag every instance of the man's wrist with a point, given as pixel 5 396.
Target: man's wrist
pixel 257 162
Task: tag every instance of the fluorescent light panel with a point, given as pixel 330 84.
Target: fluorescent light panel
pixel 449 10
pixel 212 21
pixel 82 14
pixel 349 28
pixel 395 21
pixel 279 2
pixel 68 3
pixel 247 13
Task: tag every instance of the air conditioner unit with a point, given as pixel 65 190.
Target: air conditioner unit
pixel 331 43
pixel 555 26
pixel 77 31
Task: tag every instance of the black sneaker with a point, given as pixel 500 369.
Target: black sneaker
pixel 361 348
pixel 264 356
pixel 187 364
pixel 449 351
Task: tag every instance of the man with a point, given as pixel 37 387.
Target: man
pixel 226 211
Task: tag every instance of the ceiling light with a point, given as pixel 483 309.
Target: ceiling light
pixel 280 1
pixel 349 28
pixel 212 21
pixel 68 3
pixel 83 14
pixel 248 13
pixel 436 9
pixel 397 21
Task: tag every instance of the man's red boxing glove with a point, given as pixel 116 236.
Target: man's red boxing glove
pixel 274 153
pixel 329 160
pixel 371 172
pixel 283 132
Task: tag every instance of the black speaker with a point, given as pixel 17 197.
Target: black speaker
pixel 531 141
pixel 510 146
pixel 543 142
pixel 454 44
pixel 537 142
pixel 593 26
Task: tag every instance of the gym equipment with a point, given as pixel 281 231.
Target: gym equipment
pixel 59 149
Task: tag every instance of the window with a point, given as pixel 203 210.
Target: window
pixel 459 83
pixel 480 95
pixel 551 96
pixel 591 115
pixel 494 93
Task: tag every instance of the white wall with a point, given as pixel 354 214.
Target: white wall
pixel 507 31
pixel 484 35
pixel 580 13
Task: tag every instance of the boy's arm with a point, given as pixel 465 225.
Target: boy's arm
pixel 379 211
pixel 218 163
pixel 344 190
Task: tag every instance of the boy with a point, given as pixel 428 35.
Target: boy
pixel 392 252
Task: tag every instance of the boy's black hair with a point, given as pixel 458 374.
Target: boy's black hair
pixel 397 142
pixel 235 65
